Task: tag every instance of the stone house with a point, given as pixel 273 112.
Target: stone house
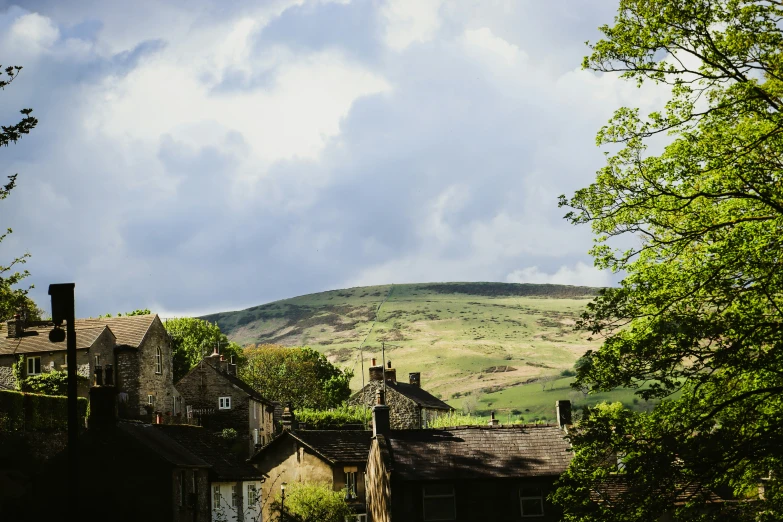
pixel 335 457
pixel 465 473
pixel 137 347
pixel 234 485
pixel 411 406
pixel 128 471
pixel 217 399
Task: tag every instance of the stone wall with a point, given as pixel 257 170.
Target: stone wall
pixel 404 414
pixel 50 361
pixel 127 375
pixel 378 485
pixel 261 418
pixel 150 382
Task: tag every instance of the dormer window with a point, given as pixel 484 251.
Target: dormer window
pixel 158 361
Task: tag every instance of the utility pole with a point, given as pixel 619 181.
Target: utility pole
pixel 63 310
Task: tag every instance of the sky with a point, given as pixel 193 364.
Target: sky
pixel 201 156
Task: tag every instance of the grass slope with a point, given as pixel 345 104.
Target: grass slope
pixel 504 343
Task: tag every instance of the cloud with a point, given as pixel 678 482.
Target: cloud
pixel 580 275
pixel 222 155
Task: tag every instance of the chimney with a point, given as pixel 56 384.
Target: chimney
pixel 99 375
pixel 414 379
pixel 563 411
pixel 232 367
pixel 103 407
pixel 492 420
pixel 380 416
pixel 15 326
pixel 289 418
pixel 391 373
pixel 376 372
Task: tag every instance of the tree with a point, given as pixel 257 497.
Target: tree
pixel 313 502
pixel 300 375
pixel 699 313
pixel 13 300
pixel 192 339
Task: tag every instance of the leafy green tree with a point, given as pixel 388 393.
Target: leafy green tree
pixel 14 299
pixel 312 502
pixel 297 374
pixel 192 339
pixel 699 313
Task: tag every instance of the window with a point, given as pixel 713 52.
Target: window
pixel 158 361
pixel 252 495
pixel 216 498
pixel 531 502
pixel 350 484
pixel 255 409
pixel 33 365
pixel 224 403
pixel 255 436
pixel 189 411
pixel 181 488
pixel 151 400
pixel 439 502
pixel 234 495
pixel 97 360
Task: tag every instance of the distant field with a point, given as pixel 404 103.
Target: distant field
pixel 495 340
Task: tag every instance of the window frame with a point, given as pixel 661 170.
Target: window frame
pixel 234 496
pixel 224 403
pixel 252 495
pixel 425 497
pixel 158 361
pixel 217 497
pixel 350 485
pixel 539 497
pixel 32 359
pixel 151 400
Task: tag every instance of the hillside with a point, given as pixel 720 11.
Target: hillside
pixel 505 343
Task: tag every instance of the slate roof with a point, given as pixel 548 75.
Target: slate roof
pixel 419 396
pixel 225 465
pixel 611 489
pixel 333 446
pixel 166 447
pixel 477 452
pixel 36 339
pixel 129 330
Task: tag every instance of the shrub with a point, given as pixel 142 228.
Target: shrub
pixel 567 373
pixel 313 502
pixel 334 418
pixel 229 434
pixel 31 412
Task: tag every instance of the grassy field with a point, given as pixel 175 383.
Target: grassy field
pixel 505 344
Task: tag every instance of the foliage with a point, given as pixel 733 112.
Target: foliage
pixel 312 502
pixel 140 311
pixel 17 370
pixel 456 419
pixel 14 299
pixel 192 339
pixel 333 418
pixel 700 308
pixel 229 434
pixel 31 412
pixel 49 383
pixel 300 375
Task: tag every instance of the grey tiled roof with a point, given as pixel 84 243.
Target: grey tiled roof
pixel 419 396
pixel 470 452
pixel 333 446
pixel 36 339
pixel 129 330
pixel 225 465
pixel 166 447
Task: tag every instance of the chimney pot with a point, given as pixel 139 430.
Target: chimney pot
pixel 388 364
pixel 563 410
pixel 492 420
pixel 414 379
pixel 289 418
pixel 380 416
pixel 373 361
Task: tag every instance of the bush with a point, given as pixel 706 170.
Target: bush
pixel 334 418
pixel 21 411
pixel 313 502
pixel 567 373
pixel 229 434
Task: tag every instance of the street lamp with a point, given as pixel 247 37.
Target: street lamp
pixel 282 501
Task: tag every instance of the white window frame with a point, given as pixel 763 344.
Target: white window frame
pixel 31 363
pixel 158 361
pixel 425 496
pixel 522 499
pixel 224 403
pixel 255 436
pixel 97 360
pixel 216 498
pixel 234 496
pixel 252 495
pixel 151 400
pixel 350 484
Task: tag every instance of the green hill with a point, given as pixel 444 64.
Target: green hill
pixel 505 343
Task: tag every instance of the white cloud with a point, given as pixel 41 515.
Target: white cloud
pixel 483 39
pixel 409 21
pixel 580 275
pixel 29 36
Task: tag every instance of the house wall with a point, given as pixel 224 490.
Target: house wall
pixel 288 461
pixel 129 403
pixel 404 414
pixel 181 508
pixel 260 417
pixel 378 490
pixel 489 499
pixel 150 382
pixel 104 348
pixel 226 510
pixel 50 361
